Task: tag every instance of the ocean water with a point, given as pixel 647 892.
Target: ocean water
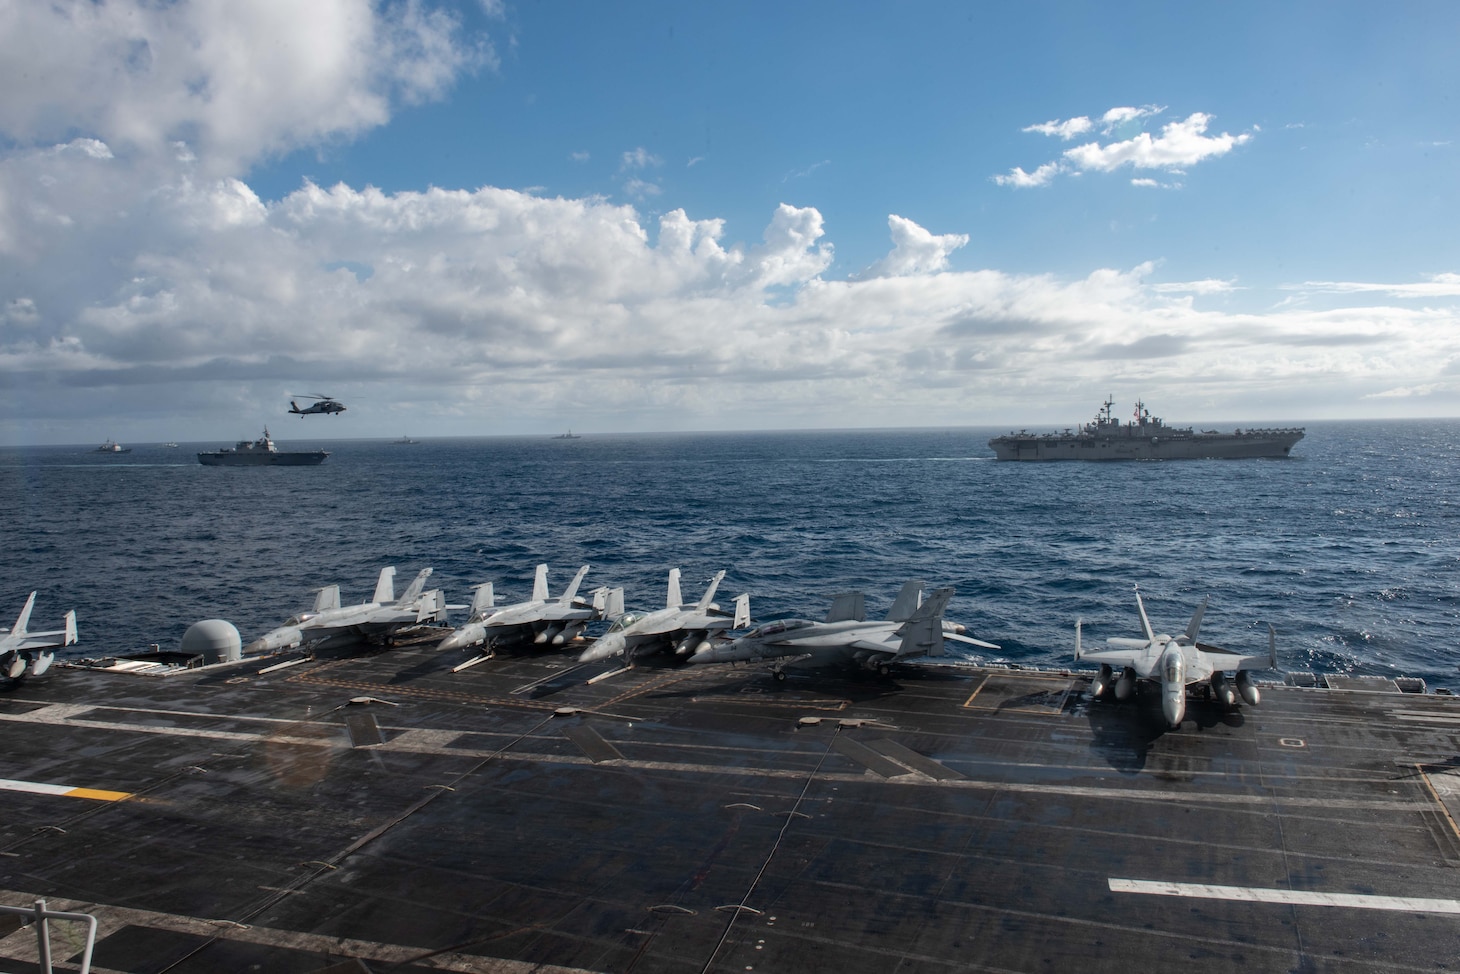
pixel 1350 548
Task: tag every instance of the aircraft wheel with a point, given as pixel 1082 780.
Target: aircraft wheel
pixel 779 675
pixel 883 670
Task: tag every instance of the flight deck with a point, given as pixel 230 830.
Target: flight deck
pixel 382 813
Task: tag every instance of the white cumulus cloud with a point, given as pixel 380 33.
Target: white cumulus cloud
pixel 1178 145
pixel 915 250
pixel 1066 130
pixel 235 81
pixel 1020 179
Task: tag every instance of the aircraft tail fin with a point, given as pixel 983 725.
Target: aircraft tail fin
pixel 742 611
pixel 571 592
pixel 709 596
pixel 613 606
pixel 1078 624
pixel 417 586
pixel 23 620
pixel 1145 623
pixel 847 607
pixel 1271 646
pixel 327 598
pixel 1195 624
pixel 385 586
pixel 672 598
pixel 539 584
pixel 483 598
pixel 922 634
pixel 70 638
pixel 907 601
pixel 429 605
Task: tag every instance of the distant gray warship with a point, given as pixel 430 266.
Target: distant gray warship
pixel 1146 437
pixel 260 453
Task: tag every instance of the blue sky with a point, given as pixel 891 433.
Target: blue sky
pixel 500 218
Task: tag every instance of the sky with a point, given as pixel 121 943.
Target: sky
pixel 488 217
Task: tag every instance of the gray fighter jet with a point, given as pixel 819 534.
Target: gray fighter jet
pixel 23 652
pixel 912 628
pixel 1175 662
pixel 331 624
pixel 546 621
pixel 687 628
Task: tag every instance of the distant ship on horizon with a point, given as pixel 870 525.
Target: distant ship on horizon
pixel 1145 437
pixel 260 453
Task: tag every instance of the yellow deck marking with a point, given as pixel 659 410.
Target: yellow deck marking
pixel 1435 794
pixel 65 791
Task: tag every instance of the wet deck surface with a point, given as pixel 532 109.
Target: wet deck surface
pixel 512 817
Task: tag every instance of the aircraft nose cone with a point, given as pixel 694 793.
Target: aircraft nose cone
pixel 604 647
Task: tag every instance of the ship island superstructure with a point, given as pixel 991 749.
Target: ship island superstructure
pixel 260 453
pixel 1144 437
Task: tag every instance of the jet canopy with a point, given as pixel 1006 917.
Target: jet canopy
pixel 624 621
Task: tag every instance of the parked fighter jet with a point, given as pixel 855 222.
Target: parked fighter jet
pixel 545 621
pixel 685 627
pixel 1175 662
pixel 22 651
pixel 910 629
pixel 329 623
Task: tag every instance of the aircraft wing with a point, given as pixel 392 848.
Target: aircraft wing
pixel 1144 663
pixel 1222 659
pixel 872 646
pixel 47 640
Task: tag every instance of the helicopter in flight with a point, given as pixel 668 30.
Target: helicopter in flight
pixel 322 405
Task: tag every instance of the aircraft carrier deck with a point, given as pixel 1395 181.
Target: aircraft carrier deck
pixel 384 814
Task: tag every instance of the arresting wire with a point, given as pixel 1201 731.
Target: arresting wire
pixel 780 836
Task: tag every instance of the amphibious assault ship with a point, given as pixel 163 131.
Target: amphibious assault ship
pixel 260 453
pixel 1145 437
pixel 380 812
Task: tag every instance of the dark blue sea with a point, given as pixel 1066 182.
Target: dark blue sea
pixel 1350 547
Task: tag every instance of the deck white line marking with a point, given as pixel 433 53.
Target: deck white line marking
pixel 1251 894
pixel 67 791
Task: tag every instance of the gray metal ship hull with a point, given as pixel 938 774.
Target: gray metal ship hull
pixel 226 459
pixel 1252 444
pixel 383 813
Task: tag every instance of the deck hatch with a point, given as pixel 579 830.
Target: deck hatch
pixel 916 761
pixel 364 731
pixel 868 758
pixel 592 744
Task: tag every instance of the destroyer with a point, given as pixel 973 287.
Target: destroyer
pixel 1145 437
pixel 260 453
